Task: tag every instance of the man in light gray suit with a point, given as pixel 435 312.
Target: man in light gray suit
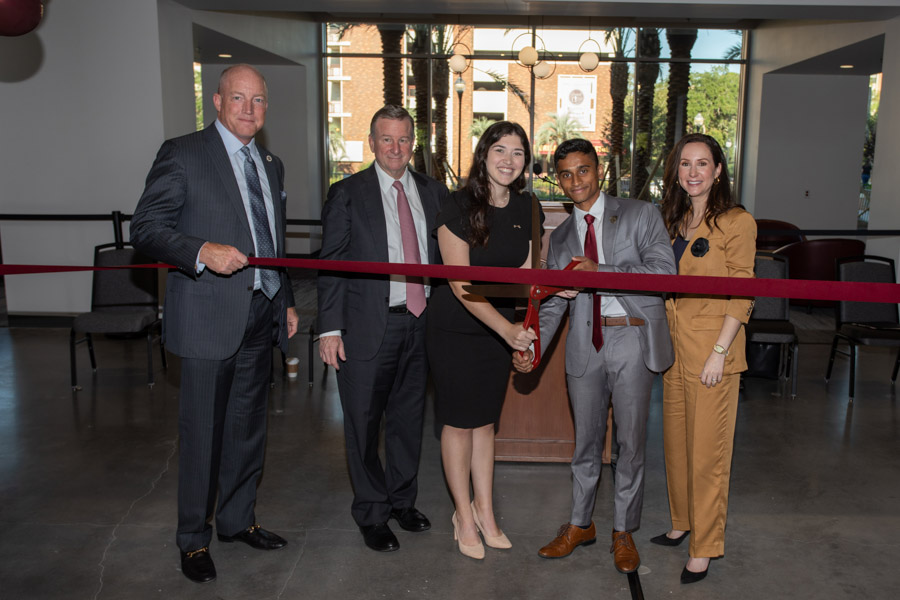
pixel 212 199
pixel 372 327
pixel 616 344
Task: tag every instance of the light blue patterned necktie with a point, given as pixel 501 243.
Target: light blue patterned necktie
pixel 269 278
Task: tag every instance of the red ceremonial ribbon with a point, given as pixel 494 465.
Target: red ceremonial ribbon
pixel 634 282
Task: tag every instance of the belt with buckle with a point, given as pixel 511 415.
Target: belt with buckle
pixel 399 309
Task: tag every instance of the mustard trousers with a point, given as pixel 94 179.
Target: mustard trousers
pixel 698 438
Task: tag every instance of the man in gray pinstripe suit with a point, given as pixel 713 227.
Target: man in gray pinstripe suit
pixel 212 199
pixel 615 362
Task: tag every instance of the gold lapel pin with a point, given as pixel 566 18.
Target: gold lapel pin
pixel 269 157
pixel 613 219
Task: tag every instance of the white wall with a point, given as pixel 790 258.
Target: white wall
pixel 811 135
pixel 776 45
pixel 88 98
pixel 80 130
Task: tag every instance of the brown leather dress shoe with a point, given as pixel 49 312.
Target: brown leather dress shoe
pixel 624 552
pixel 567 539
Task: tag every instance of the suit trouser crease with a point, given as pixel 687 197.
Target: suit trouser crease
pixel 222 430
pixel 392 385
pixel 616 373
pixel 698 438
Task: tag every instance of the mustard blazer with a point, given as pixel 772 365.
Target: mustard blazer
pixel 695 320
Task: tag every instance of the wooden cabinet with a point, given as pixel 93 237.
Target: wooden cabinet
pixel 536 423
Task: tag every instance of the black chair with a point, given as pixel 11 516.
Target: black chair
pixel 865 323
pixel 123 301
pixel 770 321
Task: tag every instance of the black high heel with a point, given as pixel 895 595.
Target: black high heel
pixel 691 576
pixel 665 540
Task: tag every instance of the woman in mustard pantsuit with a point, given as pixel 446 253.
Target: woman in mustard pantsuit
pixel 710 236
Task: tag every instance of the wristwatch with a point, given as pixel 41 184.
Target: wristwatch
pixel 718 349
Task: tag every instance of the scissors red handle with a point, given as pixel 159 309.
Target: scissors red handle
pixel 532 319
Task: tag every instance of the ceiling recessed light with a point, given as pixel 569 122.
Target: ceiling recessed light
pixel 846 66
pixel 229 56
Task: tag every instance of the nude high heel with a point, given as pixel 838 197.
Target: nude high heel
pixel 475 551
pixel 499 541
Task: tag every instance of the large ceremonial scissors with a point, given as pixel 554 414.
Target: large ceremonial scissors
pixel 534 294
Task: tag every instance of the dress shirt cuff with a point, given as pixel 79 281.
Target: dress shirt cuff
pixel 336 332
pixel 199 266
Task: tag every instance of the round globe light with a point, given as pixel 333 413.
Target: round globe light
pixel 542 70
pixel 528 56
pixel 589 61
pixel 458 63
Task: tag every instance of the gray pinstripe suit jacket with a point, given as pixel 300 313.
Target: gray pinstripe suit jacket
pixel 191 197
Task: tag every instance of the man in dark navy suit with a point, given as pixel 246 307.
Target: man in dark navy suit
pixel 212 199
pixel 373 327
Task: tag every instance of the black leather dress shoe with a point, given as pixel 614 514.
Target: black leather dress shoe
pixel 665 540
pixel 257 537
pixel 411 519
pixel 198 565
pixel 379 537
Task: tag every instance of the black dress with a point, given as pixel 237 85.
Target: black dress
pixel 470 364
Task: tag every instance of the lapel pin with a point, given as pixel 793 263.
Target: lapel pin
pixel 613 219
pixel 268 158
pixel 517 227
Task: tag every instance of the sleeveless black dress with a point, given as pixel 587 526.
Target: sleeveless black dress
pixel 470 364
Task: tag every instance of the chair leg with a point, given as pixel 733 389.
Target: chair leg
pixel 795 361
pixel 834 344
pixel 150 359
pixel 852 371
pixel 896 367
pixel 90 345
pixel 72 364
pixel 162 354
pixel 309 355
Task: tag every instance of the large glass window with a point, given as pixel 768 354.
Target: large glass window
pixel 645 89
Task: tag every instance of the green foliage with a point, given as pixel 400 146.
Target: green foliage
pixel 559 128
pixel 479 126
pixel 714 94
pixel 198 96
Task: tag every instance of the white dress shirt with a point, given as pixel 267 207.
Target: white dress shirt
pixel 392 221
pixel 610 306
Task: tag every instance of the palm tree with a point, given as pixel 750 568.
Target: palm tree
pixel 681 41
pixel 418 43
pixel 559 128
pixel 645 76
pixel 392 43
pixel 618 90
pixel 479 126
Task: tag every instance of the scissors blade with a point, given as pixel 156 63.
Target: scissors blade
pixel 499 290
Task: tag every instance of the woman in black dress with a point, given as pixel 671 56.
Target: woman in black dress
pixel 470 338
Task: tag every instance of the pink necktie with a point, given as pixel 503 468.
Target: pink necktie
pixel 415 290
pixel 590 250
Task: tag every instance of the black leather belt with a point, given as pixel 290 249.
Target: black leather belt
pixel 399 309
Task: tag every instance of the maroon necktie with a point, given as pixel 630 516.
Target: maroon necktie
pixel 415 290
pixel 590 250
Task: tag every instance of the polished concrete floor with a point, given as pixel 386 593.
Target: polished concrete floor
pixel 88 489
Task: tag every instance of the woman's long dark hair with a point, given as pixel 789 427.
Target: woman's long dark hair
pixel 479 186
pixel 676 204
